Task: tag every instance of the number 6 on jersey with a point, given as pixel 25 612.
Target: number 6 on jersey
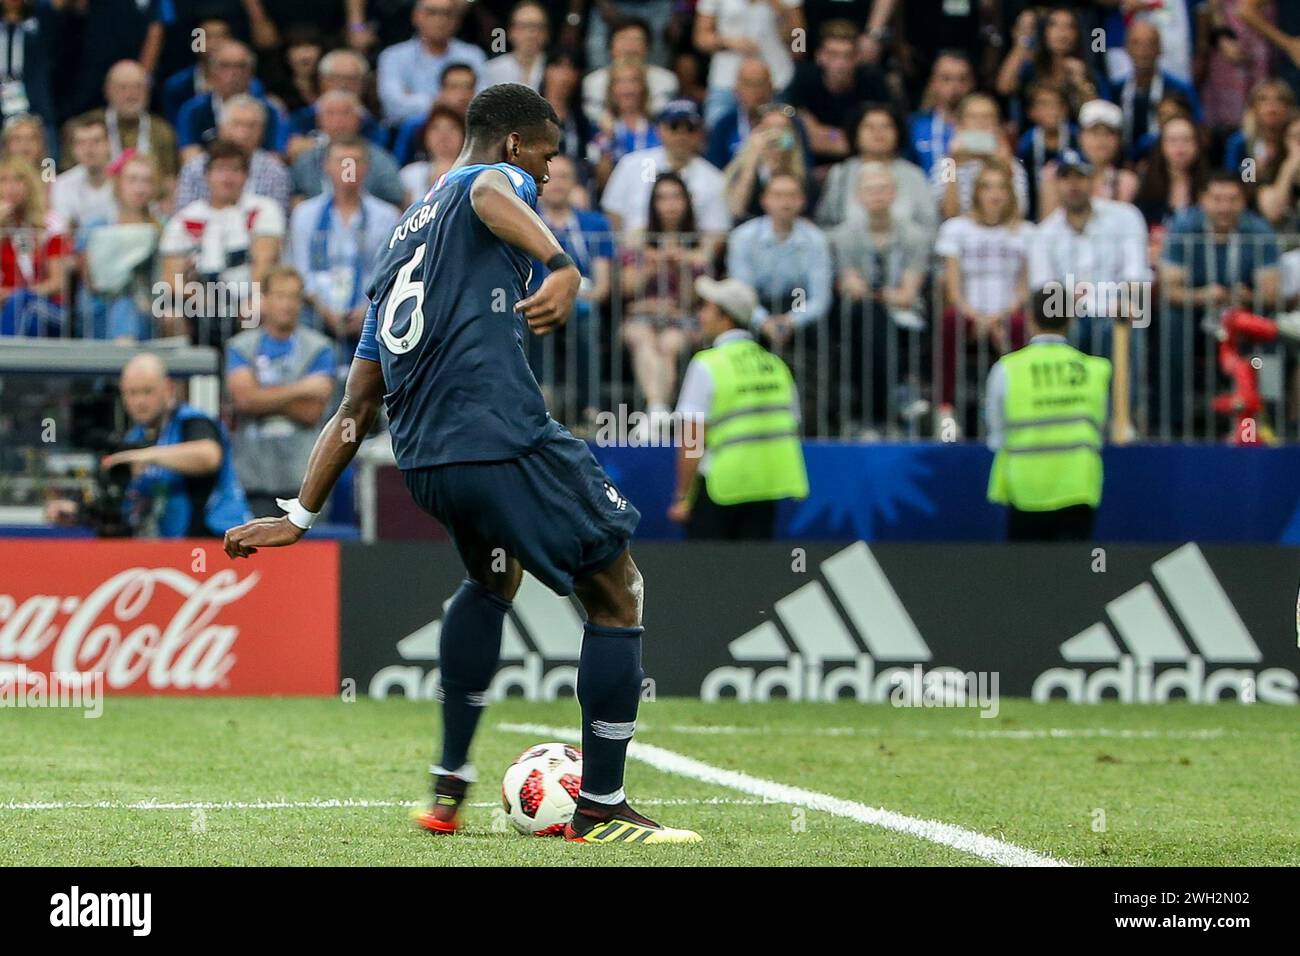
pixel 403 289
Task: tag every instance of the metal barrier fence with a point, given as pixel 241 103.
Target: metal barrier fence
pixel 868 367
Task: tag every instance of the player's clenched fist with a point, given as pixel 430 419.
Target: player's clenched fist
pixel 245 539
pixel 550 306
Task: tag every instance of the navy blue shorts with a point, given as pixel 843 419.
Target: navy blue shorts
pixel 554 510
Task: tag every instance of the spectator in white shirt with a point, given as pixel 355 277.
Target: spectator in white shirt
pixel 226 242
pixel 626 200
pixel 1091 245
pixel 84 192
pixel 528 33
pixel 985 284
pixel 630 41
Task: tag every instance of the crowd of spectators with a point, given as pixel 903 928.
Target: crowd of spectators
pixel 893 178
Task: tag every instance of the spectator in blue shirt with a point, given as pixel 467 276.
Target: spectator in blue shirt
pixel 337 70
pixel 930 131
pixel 409 72
pixel 189 81
pixel 786 259
pixel 334 238
pixel 1140 94
pixel 1219 253
pixel 281 377
pixel 625 124
pixel 753 91
pixel 1216 255
pixel 1263 128
pixel 232 66
pixel 1051 134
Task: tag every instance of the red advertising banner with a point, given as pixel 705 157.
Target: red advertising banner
pixel 172 617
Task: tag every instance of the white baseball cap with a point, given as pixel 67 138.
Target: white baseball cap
pixel 732 296
pixel 1101 112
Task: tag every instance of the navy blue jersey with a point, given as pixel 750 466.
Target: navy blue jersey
pixel 443 326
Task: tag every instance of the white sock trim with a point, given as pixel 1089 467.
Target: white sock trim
pixel 614 730
pixel 610 799
pixel 465 772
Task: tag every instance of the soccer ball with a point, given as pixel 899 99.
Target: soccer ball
pixel 540 788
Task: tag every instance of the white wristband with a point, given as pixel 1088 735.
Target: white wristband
pixel 298 516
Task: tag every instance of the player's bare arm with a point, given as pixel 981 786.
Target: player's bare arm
pixel 512 221
pixel 335 448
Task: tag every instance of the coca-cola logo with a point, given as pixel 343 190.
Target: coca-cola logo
pixel 191 651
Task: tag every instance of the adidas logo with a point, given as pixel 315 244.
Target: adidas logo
pixel 541 628
pixel 1145 635
pixel 822 632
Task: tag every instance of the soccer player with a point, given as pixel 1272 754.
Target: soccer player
pixel 443 349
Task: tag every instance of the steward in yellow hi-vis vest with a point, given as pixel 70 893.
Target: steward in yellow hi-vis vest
pixel 743 399
pixel 1046 406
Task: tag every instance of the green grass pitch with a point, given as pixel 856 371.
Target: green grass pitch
pixel 1090 785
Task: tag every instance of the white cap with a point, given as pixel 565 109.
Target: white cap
pixel 732 296
pixel 1102 112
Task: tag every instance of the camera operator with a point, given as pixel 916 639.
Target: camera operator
pixel 183 482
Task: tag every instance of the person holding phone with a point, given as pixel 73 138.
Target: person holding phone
pixel 772 147
pixel 978 138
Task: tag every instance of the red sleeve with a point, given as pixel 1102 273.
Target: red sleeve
pixel 56 246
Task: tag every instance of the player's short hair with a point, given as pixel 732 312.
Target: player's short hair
pixel 332 58
pixel 508 108
pixel 349 143
pixel 951 53
pixel 225 149
pixel 88 122
pixel 243 101
pixel 1231 177
pixel 783 174
pixel 1044 306
pixel 837 30
pixel 631 23
pixel 451 68
pixel 282 271
pixel 1047 88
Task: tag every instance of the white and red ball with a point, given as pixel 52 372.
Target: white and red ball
pixel 540 788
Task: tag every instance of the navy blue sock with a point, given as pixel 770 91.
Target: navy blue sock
pixel 469 645
pixel 609 690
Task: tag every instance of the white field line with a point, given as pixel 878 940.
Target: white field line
pixel 1066 733
pixel 945 834
pixel 1042 733
pixel 321 804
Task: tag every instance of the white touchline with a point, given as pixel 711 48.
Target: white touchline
pixel 1124 733
pixel 1054 733
pixel 945 834
pixel 320 804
